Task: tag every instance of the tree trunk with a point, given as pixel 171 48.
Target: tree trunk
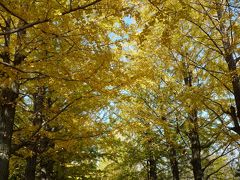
pixel 196 154
pixel 232 65
pixel 8 100
pixel 47 170
pixel 194 136
pixel 152 168
pixel 174 164
pixel 38 101
pixel 7 112
pixel 30 169
pixel 234 112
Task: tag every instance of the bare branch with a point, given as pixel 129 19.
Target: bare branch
pixel 80 7
pixel 12 13
pixel 208 35
pixel 29 25
pixel 220 168
pixel 26 26
pixel 154 5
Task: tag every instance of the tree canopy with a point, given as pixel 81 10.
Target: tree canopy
pixel 119 90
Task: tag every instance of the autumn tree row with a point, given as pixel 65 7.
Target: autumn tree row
pixel 127 90
pixel 57 70
pixel 181 116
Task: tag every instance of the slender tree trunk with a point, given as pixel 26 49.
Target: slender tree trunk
pixel 172 153
pixel 234 112
pixel 232 65
pixel 196 151
pixel 30 169
pixel 152 168
pixel 194 136
pixel 174 164
pixel 38 100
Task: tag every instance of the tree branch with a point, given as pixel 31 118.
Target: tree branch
pixel 80 7
pixel 29 25
pixel 12 13
pixel 26 26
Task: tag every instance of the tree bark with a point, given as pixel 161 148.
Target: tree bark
pixel 7 113
pixel 38 101
pixel 152 168
pixel 232 65
pixel 174 164
pixel 194 136
pixel 196 153
pixel 47 170
pixel 30 169
pixel 235 113
pixel 9 92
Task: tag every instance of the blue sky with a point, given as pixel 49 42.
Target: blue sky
pixel 128 20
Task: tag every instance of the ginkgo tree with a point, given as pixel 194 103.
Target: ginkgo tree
pixel 119 90
pixel 59 45
pixel 198 77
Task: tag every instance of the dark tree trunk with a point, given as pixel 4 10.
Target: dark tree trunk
pixel 152 168
pixel 8 100
pixel 8 96
pixel 195 147
pixel 30 169
pixel 234 112
pixel 194 136
pixel 196 154
pixel 42 143
pixel 47 170
pixel 38 100
pixel 174 164
pixel 232 66
pixel 7 112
